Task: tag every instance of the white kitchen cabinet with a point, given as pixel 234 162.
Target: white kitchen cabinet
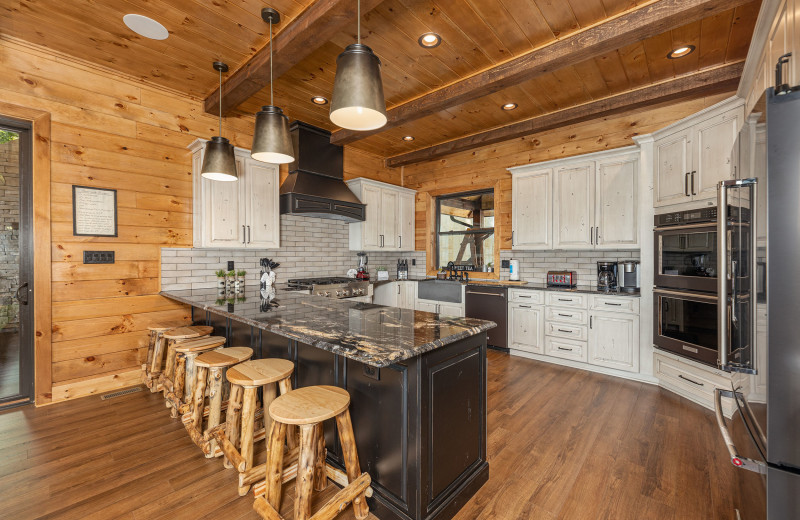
pixel 526 327
pixel 439 307
pixel 241 214
pixel 694 154
pixel 451 309
pixel 532 210
pixel 614 340
pixel 389 223
pixel 427 306
pixel 586 202
pixel 395 294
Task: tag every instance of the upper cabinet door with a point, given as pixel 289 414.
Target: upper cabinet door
pixel 261 196
pixel 713 144
pixel 617 203
pixel 532 210
pixel 390 226
pixel 673 164
pixel 407 216
pixel 573 206
pixel 223 214
pixel 371 196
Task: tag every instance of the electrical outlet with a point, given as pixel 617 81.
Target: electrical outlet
pixel 98 257
pixel 230 265
pixel 413 261
pixel 505 264
pixel 372 372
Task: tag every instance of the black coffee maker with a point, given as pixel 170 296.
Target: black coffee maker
pixel 606 276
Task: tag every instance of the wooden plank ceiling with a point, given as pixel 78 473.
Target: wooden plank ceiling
pixel 478 35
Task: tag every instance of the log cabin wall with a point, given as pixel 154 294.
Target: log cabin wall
pixel 486 167
pixel 113 131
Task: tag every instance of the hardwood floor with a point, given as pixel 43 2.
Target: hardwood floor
pixel 563 444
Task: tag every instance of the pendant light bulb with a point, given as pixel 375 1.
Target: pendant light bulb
pixel 271 140
pixel 219 162
pixel 358 102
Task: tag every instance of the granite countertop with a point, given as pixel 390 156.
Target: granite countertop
pixel 372 334
pixel 583 288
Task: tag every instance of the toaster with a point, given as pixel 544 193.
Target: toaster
pixel 562 279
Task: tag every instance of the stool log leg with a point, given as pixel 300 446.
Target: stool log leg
pixel 305 471
pixel 233 417
pixel 189 379
pixel 198 401
pixel 285 387
pixel 215 405
pixel 351 464
pixel 320 475
pixel 180 380
pixel 155 362
pixel 274 478
pixel 270 393
pixel 169 364
pixel 248 416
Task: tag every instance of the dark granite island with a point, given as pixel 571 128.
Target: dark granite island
pixel 417 383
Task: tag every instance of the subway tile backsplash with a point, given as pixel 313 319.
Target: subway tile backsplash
pixel 533 265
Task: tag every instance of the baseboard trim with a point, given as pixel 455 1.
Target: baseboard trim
pixel 642 378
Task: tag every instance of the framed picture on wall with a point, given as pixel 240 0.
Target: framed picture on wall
pixel 94 212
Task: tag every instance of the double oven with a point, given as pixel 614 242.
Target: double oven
pixel 704 279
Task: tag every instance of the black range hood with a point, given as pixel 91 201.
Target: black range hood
pixel 315 186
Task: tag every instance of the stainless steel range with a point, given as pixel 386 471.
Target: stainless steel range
pixel 336 287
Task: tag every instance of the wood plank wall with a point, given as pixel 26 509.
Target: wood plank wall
pixel 116 132
pixel 486 167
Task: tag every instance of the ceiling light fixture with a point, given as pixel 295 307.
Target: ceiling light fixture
pixel 429 40
pixel 319 100
pixel 219 163
pixel 408 138
pixel 144 26
pixel 271 140
pixel 357 102
pixel 509 106
pixel 680 52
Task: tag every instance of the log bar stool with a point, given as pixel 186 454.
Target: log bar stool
pixel 157 331
pixel 210 367
pixel 182 384
pixel 171 338
pixel 237 443
pixel 308 407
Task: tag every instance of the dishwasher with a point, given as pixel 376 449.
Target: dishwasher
pixel 489 303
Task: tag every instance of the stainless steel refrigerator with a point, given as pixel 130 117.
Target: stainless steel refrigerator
pixel 763 438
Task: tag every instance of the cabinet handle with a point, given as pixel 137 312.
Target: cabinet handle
pixel 565 315
pixel 691 381
pixel 244 234
pixel 524 306
pixel 248 234
pixel 566 331
pixel 522 296
pixel 399 241
pixel 612 304
pixel 597 236
pixel 591 235
pixel 686 184
pixel 693 188
pixel 398 289
pixel 590 321
pixel 565 299
pixel 567 349
pixel 512 239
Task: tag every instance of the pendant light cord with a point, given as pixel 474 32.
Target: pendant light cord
pixel 270 62
pixel 220 102
pixel 359 20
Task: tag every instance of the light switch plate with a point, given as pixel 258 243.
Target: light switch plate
pixel 98 257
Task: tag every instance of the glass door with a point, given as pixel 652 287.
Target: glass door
pixel 16 340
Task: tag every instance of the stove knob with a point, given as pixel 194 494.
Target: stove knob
pixel 320 293
pixel 327 293
pixel 338 294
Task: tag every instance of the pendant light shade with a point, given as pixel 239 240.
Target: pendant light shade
pixel 219 163
pixel 357 102
pixel 271 140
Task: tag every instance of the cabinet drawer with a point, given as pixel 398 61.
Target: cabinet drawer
pixel 691 381
pixel 563 330
pixel 556 314
pixel 525 296
pixel 613 303
pixel 571 300
pixel 565 349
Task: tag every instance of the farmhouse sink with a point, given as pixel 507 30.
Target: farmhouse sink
pixel 441 290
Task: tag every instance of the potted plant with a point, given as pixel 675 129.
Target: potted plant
pixel 239 286
pixel 220 280
pixel 229 281
pixel 383 273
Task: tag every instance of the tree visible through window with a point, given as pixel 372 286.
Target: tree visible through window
pixel 465 230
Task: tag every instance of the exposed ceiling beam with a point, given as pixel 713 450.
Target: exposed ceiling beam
pixel 320 22
pixel 643 22
pixel 706 82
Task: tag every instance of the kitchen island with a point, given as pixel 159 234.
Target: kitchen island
pixel 417 383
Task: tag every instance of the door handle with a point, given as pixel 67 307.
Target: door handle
pixel 399 241
pixel 18 295
pixel 597 235
pixel 693 188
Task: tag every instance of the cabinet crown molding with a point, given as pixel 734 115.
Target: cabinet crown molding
pixel 364 180
pixel 722 106
pixel 528 168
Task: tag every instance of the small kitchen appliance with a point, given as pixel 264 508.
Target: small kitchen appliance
pixel 562 278
pixel 363 272
pixel 402 269
pixel 606 276
pixel 629 276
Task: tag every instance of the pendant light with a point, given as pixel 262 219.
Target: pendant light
pixel 219 163
pixel 271 140
pixel 357 102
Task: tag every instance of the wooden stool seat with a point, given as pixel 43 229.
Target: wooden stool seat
pixel 224 357
pixel 199 344
pixel 310 405
pixel 192 331
pixel 163 327
pixel 151 369
pixel 260 372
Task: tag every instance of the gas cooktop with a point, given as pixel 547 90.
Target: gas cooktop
pixel 331 286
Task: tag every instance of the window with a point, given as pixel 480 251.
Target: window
pixel 465 230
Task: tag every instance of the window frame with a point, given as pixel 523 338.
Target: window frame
pixel 438 223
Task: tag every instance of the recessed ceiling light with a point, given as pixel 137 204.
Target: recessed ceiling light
pixel 145 26
pixel 319 100
pixel 680 52
pixel 509 106
pixel 430 40
pixel 408 138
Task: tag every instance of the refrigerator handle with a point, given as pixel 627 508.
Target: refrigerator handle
pixel 740 462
